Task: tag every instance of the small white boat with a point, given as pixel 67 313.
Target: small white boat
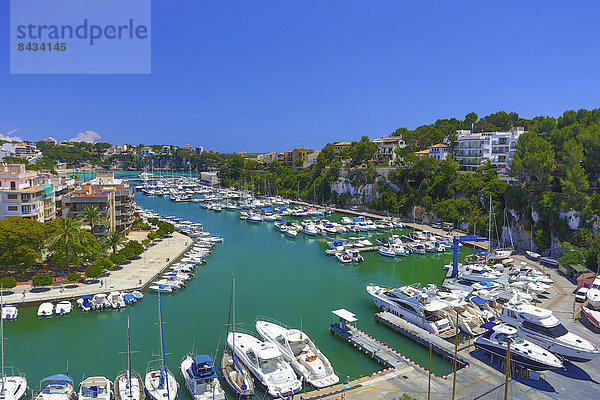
pixel 356 256
pixel 291 233
pixel 386 251
pixel 343 257
pixel 95 387
pixel 200 378
pixel 532 255
pixel 100 301
pixel 9 313
pixel 116 300
pixel 161 288
pixel 63 308
pixel 58 387
pixel 45 310
pixel 85 303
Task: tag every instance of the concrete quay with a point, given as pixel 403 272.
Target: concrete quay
pixel 135 274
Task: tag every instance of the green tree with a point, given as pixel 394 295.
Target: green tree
pixel 104 262
pixel 113 240
pixel 74 277
pixel 93 271
pixel 68 232
pixel 8 282
pixel 42 280
pixel 533 160
pixel 362 151
pixel 92 217
pixel 20 241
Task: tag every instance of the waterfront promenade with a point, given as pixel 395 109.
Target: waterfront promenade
pixel 133 275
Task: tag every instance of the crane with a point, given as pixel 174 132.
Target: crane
pixel 456 247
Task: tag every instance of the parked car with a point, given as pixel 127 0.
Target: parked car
pixel 354 208
pixel 437 225
pixel 447 226
pixel 581 295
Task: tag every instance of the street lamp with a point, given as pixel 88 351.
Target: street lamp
pixel 582 256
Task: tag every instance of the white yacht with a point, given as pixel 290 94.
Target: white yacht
pixel 265 362
pixel 45 310
pixel 57 387
pixel 343 257
pixel 593 295
pixel 386 251
pixel 10 313
pixel 302 354
pixel 522 352
pixel 95 387
pixel 539 326
pixel 100 301
pixel 417 306
pixel 200 378
pixel 477 273
pixel 310 229
pixel 63 308
pixel 469 317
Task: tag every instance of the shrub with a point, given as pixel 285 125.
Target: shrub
pixel 127 252
pixel 93 271
pixel 135 246
pixel 42 280
pixel 152 236
pixel 145 242
pixel 8 282
pixel 118 258
pixel 105 262
pixel 74 277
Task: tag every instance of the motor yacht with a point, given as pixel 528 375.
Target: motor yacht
pixel 593 295
pixel 63 308
pixel 200 378
pixel 100 301
pixel 343 257
pixel 291 232
pixel 310 230
pixel 541 327
pixel 266 363
pixel 415 305
pixel 469 317
pixel 45 310
pixel 95 387
pixel 386 251
pixel 355 256
pixel 522 352
pixel 297 349
pixel 56 387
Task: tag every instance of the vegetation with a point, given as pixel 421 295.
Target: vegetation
pixel 94 271
pixel 42 280
pixel 113 240
pixel 74 277
pixel 104 263
pixel 8 282
pixel 20 241
pixel 92 217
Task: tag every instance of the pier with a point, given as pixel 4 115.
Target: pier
pixel 360 249
pixel 366 343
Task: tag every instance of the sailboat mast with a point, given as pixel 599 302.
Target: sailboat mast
pixel 162 342
pixel 490 229
pixel 129 360
pixel 233 312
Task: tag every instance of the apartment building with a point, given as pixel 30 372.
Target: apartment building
pixel 290 157
pixel 27 151
pixel 209 178
pixel 267 158
pixel 311 159
pixel 339 146
pixel 439 151
pixel 23 194
pixel 112 196
pixel 474 149
pixel 386 149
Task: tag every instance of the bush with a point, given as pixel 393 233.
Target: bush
pixel 135 247
pixel 105 262
pixel 127 252
pixel 152 236
pixel 145 242
pixel 93 271
pixel 42 280
pixel 8 282
pixel 118 258
pixel 74 277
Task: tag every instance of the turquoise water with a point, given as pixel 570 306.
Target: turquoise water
pixel 290 280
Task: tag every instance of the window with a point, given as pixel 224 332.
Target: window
pixel 13 208
pixel 13 197
pixel 26 209
pixel 553 331
pixel 13 185
pixel 25 197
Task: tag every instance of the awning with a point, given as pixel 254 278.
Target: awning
pixel 475 299
pixel 488 325
pixel 58 377
pixel 345 315
pixel 578 267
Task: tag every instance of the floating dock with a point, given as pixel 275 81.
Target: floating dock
pixel 366 343
pixel 360 249
pixel 420 335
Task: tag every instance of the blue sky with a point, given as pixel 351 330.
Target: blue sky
pixel 271 75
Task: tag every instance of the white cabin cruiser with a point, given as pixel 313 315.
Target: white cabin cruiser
pixel 302 354
pixel 95 387
pixel 522 352
pixel 417 306
pixel 469 317
pixel 9 313
pixel 539 326
pixel 100 301
pixel 116 300
pixel 266 363
pixel 593 295
pixel 200 378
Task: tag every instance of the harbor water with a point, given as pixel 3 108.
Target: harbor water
pixel 290 280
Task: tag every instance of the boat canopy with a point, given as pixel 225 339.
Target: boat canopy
pixel 475 299
pixel 267 210
pixel 86 297
pixel 488 325
pixel 202 367
pixel 486 283
pixel 58 378
pixel 128 297
pixel 357 219
pixel 345 315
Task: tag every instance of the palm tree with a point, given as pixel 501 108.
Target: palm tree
pixel 114 239
pixel 67 230
pixel 92 216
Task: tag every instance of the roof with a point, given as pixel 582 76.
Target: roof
pixel 342 144
pixel 345 315
pixel 422 152
pixel 439 145
pixel 578 267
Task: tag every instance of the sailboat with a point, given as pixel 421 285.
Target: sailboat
pixel 499 253
pixel 160 382
pixel 235 373
pixel 13 386
pixel 129 384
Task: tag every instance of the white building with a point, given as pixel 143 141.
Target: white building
pixel 27 151
pixel 311 159
pixel 267 158
pixel 439 151
pixel 386 148
pixel 209 178
pixel 474 149
pixel 23 194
